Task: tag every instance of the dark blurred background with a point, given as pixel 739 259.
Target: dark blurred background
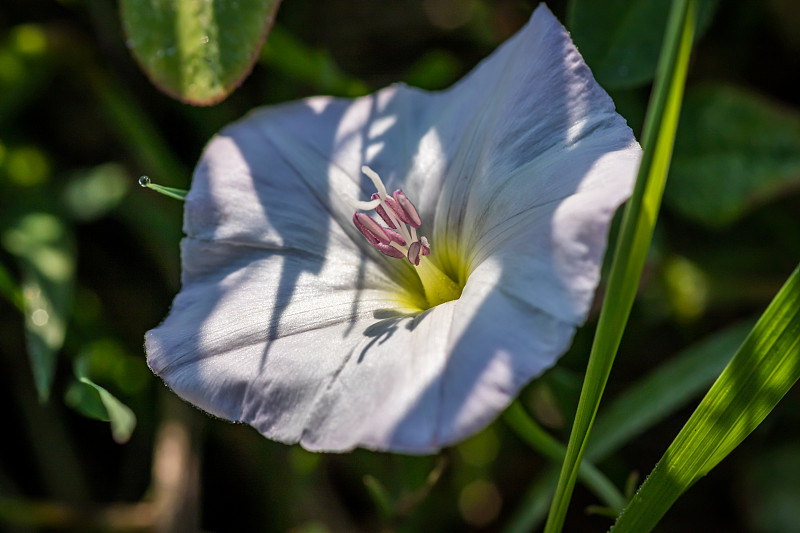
pixel 80 122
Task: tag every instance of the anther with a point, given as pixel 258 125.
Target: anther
pixel 370 229
pixel 394 236
pixel 413 253
pixel 382 212
pixel 400 238
pixel 425 246
pixel 411 216
pixel 389 250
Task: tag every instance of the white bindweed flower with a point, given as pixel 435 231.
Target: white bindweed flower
pixel 412 324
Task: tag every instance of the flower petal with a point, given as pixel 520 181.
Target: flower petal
pixel 542 165
pixel 242 345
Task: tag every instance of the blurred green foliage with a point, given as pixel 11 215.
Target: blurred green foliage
pixel 737 150
pixel 98 256
pixel 621 39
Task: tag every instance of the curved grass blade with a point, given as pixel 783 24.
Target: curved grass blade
pixel 634 240
pixel 665 390
pixel 763 370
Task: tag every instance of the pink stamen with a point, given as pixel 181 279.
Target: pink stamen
pixel 382 212
pixel 370 229
pixel 389 250
pixel 425 246
pixel 400 238
pixel 379 237
pixel 413 253
pixel 411 216
pixel 394 236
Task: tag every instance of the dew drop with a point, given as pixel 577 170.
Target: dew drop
pixel 144 181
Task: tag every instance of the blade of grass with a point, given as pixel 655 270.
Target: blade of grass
pixel 635 234
pixel 660 393
pixel 516 417
pixel 763 370
pixel 664 390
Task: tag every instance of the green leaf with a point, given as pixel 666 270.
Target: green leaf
pixel 534 504
pixel 735 150
pixel 122 419
pixel 633 243
pixel 86 401
pixel 94 401
pixel 621 39
pixel 43 246
pixel 197 51
pixel 763 370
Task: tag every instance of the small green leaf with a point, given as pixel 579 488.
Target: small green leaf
pixel 621 39
pixel 122 419
pixel 86 401
pixel 197 51
pixel 763 370
pixel 735 150
pixel 43 246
